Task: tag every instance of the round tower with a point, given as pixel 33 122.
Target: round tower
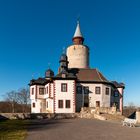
pixel 78 54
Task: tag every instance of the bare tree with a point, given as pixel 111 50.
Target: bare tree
pixel 23 98
pixel 19 101
pixel 131 105
pixel 12 98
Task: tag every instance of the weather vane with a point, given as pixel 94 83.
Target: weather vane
pixel 78 18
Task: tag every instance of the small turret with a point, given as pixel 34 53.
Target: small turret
pixel 49 73
pixel 63 63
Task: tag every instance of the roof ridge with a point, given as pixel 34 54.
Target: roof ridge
pixel 87 68
pixel 99 75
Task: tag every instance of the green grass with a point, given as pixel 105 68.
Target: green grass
pixel 13 129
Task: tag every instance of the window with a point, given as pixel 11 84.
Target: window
pixel 79 89
pixel 97 90
pixel 116 94
pixel 63 75
pixel 97 103
pixel 60 103
pixel 33 104
pixel 63 87
pixel 107 91
pixel 67 103
pixel 32 91
pixel 46 90
pixel 86 90
pixel 41 91
pixel 47 104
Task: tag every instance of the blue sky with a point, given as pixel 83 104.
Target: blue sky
pixel 33 34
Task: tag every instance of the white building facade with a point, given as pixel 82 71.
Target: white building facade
pixel 76 85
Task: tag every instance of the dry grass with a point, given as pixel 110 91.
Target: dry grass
pixel 13 129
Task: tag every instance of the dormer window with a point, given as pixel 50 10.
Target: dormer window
pixel 63 75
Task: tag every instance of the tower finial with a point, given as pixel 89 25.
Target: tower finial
pixel 78 19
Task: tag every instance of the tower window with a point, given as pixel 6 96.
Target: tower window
pixel 60 103
pixel 67 103
pixel 97 90
pixel 63 87
pixel 107 91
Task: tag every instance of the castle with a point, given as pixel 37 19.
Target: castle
pixel 76 85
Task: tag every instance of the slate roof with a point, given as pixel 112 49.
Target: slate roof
pixel 68 76
pixel 39 81
pixel 118 85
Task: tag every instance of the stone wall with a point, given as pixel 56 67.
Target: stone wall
pixel 15 116
pixel 11 116
pixel 107 110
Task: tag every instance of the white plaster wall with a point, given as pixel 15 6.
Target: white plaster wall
pixel 50 108
pixel 69 95
pixel 106 99
pixel 32 96
pixel 78 56
pixel 46 94
pixel 37 107
pixel 103 98
pixel 52 90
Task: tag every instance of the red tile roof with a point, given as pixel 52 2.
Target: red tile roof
pixel 90 75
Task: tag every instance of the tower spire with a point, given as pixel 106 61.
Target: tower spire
pixel 78 31
pixel 78 37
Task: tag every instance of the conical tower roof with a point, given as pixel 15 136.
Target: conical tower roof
pixel 78 31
